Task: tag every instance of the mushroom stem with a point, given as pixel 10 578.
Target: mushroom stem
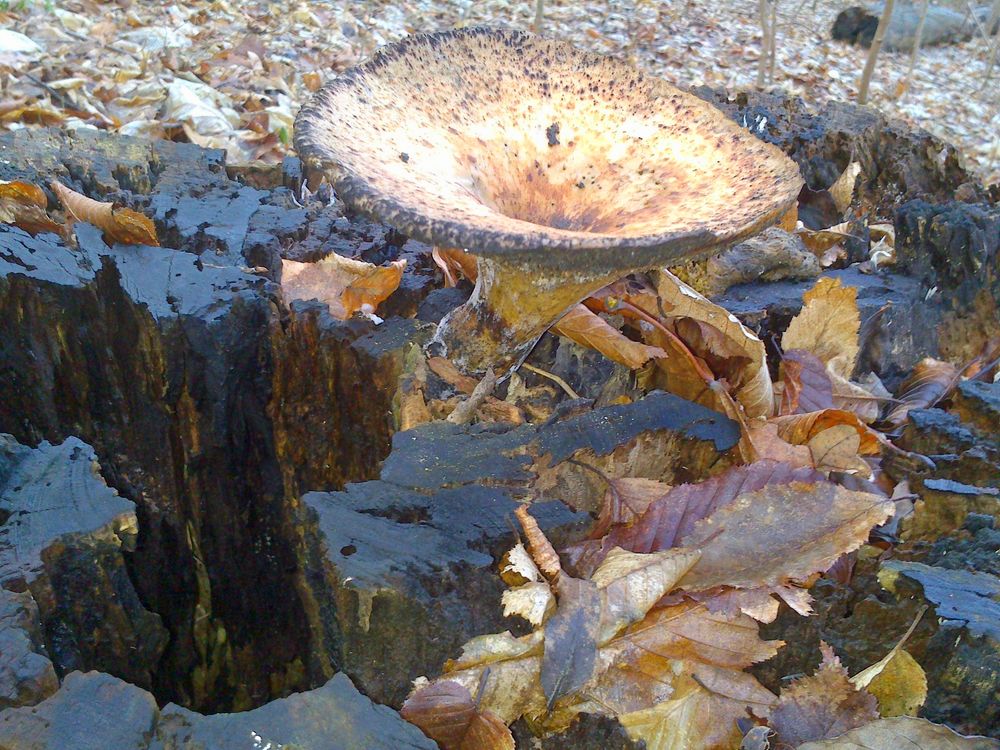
pixel 512 305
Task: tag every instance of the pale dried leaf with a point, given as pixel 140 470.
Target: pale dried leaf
pixel 533 601
pixel 842 191
pixel 520 562
pixel 631 583
pixel 903 732
pixel 344 284
pixel 701 714
pixel 827 326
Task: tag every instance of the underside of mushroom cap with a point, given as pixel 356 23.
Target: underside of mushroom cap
pixel 527 149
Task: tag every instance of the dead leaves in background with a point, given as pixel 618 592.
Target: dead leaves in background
pixel 346 285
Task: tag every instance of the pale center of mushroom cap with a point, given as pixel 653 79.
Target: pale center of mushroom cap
pixel 514 135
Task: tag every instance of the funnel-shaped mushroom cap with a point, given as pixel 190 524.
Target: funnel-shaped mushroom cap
pixel 560 169
pixel 505 143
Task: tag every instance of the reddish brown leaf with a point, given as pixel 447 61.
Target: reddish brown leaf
pixel 625 500
pixel 822 705
pixel 118 224
pixel 930 381
pixel 807 384
pixel 674 515
pixel 446 713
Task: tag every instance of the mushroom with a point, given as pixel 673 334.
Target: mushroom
pixel 559 169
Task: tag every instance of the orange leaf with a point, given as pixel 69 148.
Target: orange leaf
pixel 455 262
pixel 345 284
pixel 27 216
pixel 799 429
pixel 23 192
pixel 591 330
pixel 118 224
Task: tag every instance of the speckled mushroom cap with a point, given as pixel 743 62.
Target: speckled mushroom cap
pixel 512 145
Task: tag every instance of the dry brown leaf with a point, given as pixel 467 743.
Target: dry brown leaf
pixel 819 523
pixel 449 373
pixel 630 584
pixel 625 500
pixel 676 513
pixel 446 713
pixel 807 385
pixel 27 216
pixel 820 241
pixel 344 284
pixel 701 713
pixel 864 399
pixel 455 263
pixel 799 429
pixel 118 224
pixel 822 705
pixel 827 326
pixel 930 381
pixel 591 330
pixel 836 449
pixel 542 552
pixel 903 732
pixel 23 192
pixel 769 446
pixel 691 631
pixel 842 191
pixel 718 337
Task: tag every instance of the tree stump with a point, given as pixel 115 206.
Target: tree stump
pixel 257 526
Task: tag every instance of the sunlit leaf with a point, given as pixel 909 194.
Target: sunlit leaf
pixel 118 224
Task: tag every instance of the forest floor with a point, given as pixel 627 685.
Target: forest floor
pixel 232 74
